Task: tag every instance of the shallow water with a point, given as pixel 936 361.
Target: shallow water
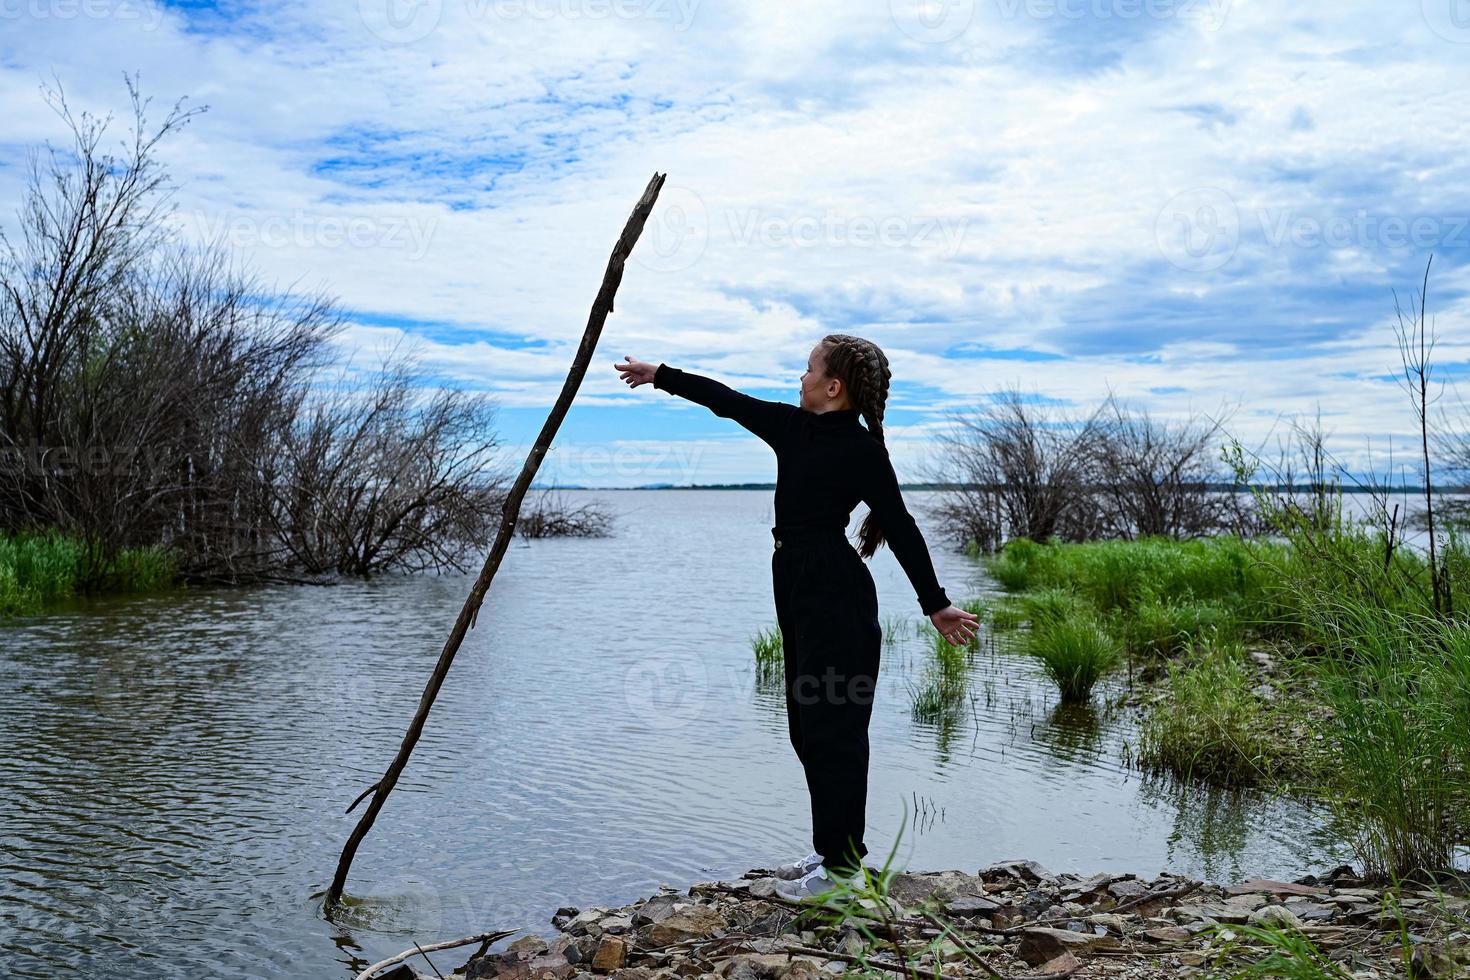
pixel 176 767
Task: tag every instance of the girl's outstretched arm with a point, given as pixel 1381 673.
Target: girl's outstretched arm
pixel 767 419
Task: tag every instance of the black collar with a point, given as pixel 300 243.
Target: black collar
pixel 836 416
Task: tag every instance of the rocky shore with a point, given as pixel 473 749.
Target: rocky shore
pixel 1013 919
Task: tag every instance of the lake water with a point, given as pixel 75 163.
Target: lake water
pixel 176 767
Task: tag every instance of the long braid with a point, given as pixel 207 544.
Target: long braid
pixel 863 368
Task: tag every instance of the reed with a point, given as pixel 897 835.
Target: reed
pixel 942 694
pixel 1162 627
pixel 37 569
pixel 1399 688
pixel 1075 652
pixel 769 654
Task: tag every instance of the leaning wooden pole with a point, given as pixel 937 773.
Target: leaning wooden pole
pixel 601 307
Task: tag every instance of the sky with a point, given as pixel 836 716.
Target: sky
pixel 1204 207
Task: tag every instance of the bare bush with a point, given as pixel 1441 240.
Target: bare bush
pixel 552 516
pixel 389 475
pixel 141 381
pixel 152 394
pixel 1161 478
pixel 1019 469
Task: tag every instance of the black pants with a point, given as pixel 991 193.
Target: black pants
pixel 827 610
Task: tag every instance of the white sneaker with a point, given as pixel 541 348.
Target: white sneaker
pixel 815 883
pixel 792 870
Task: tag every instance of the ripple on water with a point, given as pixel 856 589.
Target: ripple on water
pixel 177 766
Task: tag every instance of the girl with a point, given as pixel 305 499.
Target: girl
pixel 826 603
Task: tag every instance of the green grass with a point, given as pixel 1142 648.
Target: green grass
pixel 942 694
pixel 1289 954
pixel 1116 575
pixel 39 569
pixel 1075 652
pixel 1210 725
pixel 1163 627
pixel 769 656
pixel 1399 688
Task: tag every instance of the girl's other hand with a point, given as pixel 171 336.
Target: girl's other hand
pixel 635 372
pixel 955 624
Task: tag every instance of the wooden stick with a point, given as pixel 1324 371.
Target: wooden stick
pixel 601 307
pixel 406 954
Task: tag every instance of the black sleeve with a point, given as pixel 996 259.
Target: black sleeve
pixel 878 488
pixel 764 418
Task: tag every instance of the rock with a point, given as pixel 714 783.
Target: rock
pixel 1087 890
pixel 1110 922
pixel 528 944
pixel 1311 911
pixel 1275 917
pixel 1034 903
pixel 611 954
pixel 1250 901
pixel 1167 934
pixel 567 948
pixel 695 922
pixel 911 890
pixel 563 915
pixel 1007 918
pixel 971 905
pixel 755 966
pixel 617 924
pixel 801 968
pixel 1126 889
pixel 1208 913
pixel 1057 964
pixel 585 922
pixel 1274 888
pixel 763 887
pixel 519 965
pixel 1040 944
pixel 1027 871
pixel 1433 962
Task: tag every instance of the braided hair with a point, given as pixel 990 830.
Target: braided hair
pixel 862 367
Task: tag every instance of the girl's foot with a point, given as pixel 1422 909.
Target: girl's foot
pixel 793 870
pixel 816 883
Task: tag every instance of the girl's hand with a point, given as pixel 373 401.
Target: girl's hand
pixel 955 624
pixel 636 372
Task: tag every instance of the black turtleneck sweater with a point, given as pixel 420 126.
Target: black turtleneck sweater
pixel 826 462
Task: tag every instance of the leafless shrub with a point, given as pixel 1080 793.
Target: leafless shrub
pixel 389 475
pixel 140 380
pixel 1161 478
pixel 552 516
pixel 1018 469
pixel 152 394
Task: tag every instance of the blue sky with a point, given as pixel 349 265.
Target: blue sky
pixel 1204 205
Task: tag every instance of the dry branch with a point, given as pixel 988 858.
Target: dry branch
pixel 601 307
